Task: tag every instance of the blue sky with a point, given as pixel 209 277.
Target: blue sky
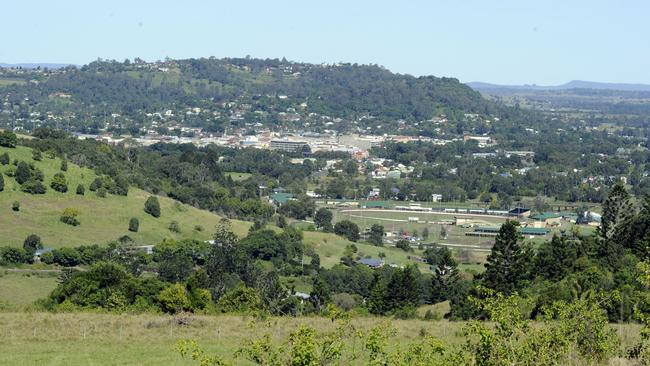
pixel 501 41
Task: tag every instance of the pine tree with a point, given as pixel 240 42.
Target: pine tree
pixel 616 225
pixel 507 265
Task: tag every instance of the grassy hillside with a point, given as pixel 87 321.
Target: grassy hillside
pixel 102 219
pixel 106 219
pixel 22 288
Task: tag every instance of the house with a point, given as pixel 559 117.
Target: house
pixel 39 253
pixel 280 198
pixel 371 262
pixel 436 197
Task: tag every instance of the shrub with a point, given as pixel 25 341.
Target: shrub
pixel 64 165
pixel 15 206
pixel 37 155
pixel 241 299
pixel 101 192
pixel 10 171
pixel 14 255
pixel 8 139
pixel 173 299
pixel 81 190
pixel 174 227
pixel 198 228
pixel 69 216
pixel 23 173
pixel 152 206
pixel 134 224
pixel 2 183
pixel 4 159
pixel 67 257
pixel 33 187
pixel 59 183
pixel 96 184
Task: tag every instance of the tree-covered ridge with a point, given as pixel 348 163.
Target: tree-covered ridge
pixel 348 91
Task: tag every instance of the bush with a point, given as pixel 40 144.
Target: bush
pixel 198 228
pixel 10 171
pixel 96 184
pixel 134 224
pixel 173 299
pixel 37 155
pixel 14 255
pixel 67 257
pixel 69 216
pixel 4 159
pixel 15 206
pixel 33 187
pixel 101 192
pixel 2 183
pixel 23 172
pixel 59 183
pixel 81 190
pixel 174 227
pixel 8 139
pixel 152 206
pixel 241 299
pixel 64 165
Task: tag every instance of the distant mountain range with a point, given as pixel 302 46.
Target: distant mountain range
pixel 35 65
pixel 574 84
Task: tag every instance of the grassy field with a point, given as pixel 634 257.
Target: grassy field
pixel 21 289
pixel 237 177
pixel 107 339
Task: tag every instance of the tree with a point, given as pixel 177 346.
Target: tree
pixel 64 165
pixel 443 232
pixel 320 293
pixel 403 244
pixel 173 299
pixel 425 233
pixel 59 183
pixel 2 183
pixel 15 206
pixel 376 236
pixel 134 224
pixel 555 259
pixel 616 225
pixel 507 265
pixel 445 273
pixel 152 206
pixel 33 186
pixel 69 216
pixel 81 190
pixel 23 173
pixel 323 219
pixel 32 243
pixel 4 159
pixel 8 139
pixel 347 229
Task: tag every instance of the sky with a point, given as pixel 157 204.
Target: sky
pixel 544 42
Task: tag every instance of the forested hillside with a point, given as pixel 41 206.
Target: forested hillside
pixel 89 96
